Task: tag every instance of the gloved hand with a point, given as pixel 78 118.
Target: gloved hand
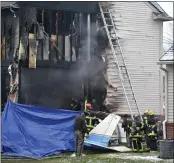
pixel 86 136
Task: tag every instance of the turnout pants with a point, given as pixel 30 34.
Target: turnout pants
pixel 151 143
pixel 129 143
pixel 79 141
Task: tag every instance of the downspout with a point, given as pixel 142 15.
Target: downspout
pixel 166 103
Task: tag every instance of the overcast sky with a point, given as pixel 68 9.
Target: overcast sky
pixel 168 7
pixel 168 28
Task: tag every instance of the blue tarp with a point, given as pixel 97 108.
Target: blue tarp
pixel 36 132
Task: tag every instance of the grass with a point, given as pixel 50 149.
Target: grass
pixel 84 160
pixel 90 158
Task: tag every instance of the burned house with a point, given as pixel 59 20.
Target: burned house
pixel 63 53
pixel 49 53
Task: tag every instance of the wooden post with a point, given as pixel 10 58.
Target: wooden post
pixel 63 32
pixel 71 36
pixel 32 50
pixel 50 26
pixel 42 51
pixel 21 50
pixel 57 33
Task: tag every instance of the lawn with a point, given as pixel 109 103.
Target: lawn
pixel 84 160
pixel 98 158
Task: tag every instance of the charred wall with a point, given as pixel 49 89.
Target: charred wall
pixel 50 87
pixel 61 71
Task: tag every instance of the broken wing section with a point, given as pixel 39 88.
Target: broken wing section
pixel 102 133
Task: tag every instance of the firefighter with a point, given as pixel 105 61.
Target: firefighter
pixel 145 121
pixel 89 107
pixel 126 125
pixel 80 129
pixel 91 120
pixel 136 135
pixel 76 105
pixel 145 116
pixel 151 131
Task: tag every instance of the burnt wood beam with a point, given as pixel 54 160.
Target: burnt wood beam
pixel 50 27
pixel 57 33
pixel 71 36
pixel 42 44
pixel 45 63
pixel 78 36
pixel 63 31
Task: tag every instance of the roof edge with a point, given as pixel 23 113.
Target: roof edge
pixel 159 8
pixel 165 62
pixel 161 17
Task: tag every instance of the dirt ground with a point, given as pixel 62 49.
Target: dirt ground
pixel 98 158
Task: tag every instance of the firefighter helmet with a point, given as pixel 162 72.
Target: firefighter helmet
pixel 88 106
pixel 150 112
pixel 146 112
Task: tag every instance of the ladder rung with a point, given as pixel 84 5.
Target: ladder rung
pixel 123 73
pixel 128 88
pixel 115 46
pixel 116 43
pixel 126 83
pixel 129 95
pixel 126 80
pixel 114 39
pixel 109 25
pixel 112 32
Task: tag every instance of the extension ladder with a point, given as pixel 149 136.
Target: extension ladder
pixel 118 57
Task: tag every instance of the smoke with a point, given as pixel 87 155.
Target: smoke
pixel 56 87
pixel 92 70
pixel 96 64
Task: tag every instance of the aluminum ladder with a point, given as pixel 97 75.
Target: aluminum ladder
pixel 107 18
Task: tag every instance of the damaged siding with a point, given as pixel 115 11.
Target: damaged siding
pixel 140 41
pixel 170 94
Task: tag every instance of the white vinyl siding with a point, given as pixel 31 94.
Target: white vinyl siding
pixel 140 37
pixel 170 108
